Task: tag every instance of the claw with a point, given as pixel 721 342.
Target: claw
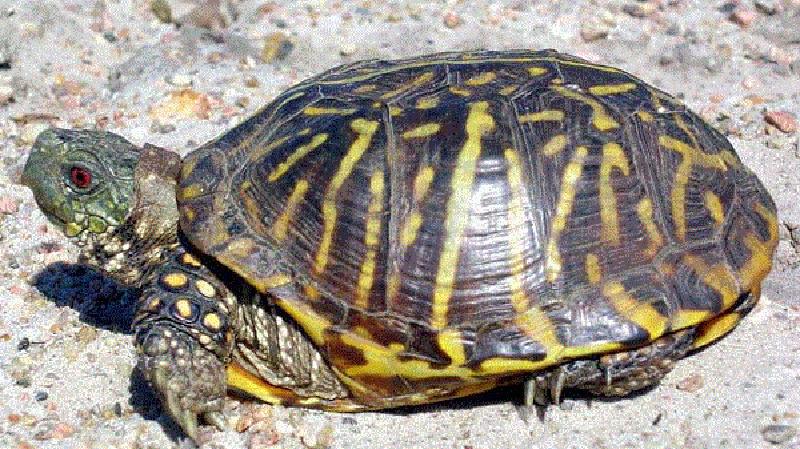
pixel 189 424
pixel 217 419
pixel 535 397
pixel 557 385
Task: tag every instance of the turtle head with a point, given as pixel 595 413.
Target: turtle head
pixel 114 199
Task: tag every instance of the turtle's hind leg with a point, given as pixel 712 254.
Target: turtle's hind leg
pixel 616 374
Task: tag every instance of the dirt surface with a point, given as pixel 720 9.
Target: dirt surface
pixel 176 74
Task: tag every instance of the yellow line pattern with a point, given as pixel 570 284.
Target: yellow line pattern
pixel 645 211
pixel 479 122
pixel 427 102
pixel 314 111
pixel 613 157
pixel 537 71
pixel 566 196
pixel 422 183
pixel 691 156
pixel 593 271
pixel 541 116
pixel 365 130
pixel 516 225
pixel 611 89
pixel 301 152
pixel 371 240
pixel 419 81
pixel 483 78
pixel 714 206
pixel 281 225
pixel 555 145
pixel 425 130
pixel 637 311
pixel 600 117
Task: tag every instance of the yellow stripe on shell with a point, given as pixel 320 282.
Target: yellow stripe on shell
pixel 613 157
pixel 461 92
pixel 645 211
pixel 427 103
pixel 714 206
pixel 316 111
pixel 298 154
pixel 371 240
pixel 761 252
pixel 637 311
pixel 478 123
pixel 555 145
pixel 566 196
pixel 711 330
pixel 281 225
pixel 516 226
pixel 600 116
pixel 691 156
pixel 366 130
pixel 594 272
pixel 417 82
pixel 611 89
pixel 425 130
pixel 481 79
pixel 537 71
pixel 542 116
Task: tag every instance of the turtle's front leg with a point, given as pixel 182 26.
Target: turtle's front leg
pixel 183 329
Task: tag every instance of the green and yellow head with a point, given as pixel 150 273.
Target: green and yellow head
pixel 83 180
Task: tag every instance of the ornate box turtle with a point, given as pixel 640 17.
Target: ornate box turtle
pixel 401 232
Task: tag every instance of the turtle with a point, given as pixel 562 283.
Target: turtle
pixel 399 232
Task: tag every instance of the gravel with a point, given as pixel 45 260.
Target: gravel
pixel 176 74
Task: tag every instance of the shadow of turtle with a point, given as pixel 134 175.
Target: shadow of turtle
pixel 104 303
pixel 100 301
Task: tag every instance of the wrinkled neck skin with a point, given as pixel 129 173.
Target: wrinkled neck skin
pixel 128 251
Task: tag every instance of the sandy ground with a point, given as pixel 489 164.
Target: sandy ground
pixel 68 377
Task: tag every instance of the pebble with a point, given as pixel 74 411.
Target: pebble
pixel 778 433
pixel 593 28
pixel 742 17
pixel 182 104
pixel 6 95
pixel 783 120
pixel 9 205
pixel 162 10
pixel 640 10
pixel 277 47
pixel 690 383
pixel 452 20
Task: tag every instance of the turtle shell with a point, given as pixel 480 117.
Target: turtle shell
pixel 457 219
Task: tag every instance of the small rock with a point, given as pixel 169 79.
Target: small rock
pixel 251 82
pixel 180 80
pixel 783 120
pixel 181 104
pixel 778 433
pixel 6 95
pixel 691 383
pixel 452 20
pixel 593 29
pixel 162 10
pixel 640 10
pixel 742 17
pixel 768 7
pixel 277 47
pixel 6 56
pixel 86 334
pixel 29 132
pixel 9 205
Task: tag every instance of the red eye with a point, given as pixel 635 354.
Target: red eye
pixel 80 177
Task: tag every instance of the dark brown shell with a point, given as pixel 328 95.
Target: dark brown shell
pixel 460 217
